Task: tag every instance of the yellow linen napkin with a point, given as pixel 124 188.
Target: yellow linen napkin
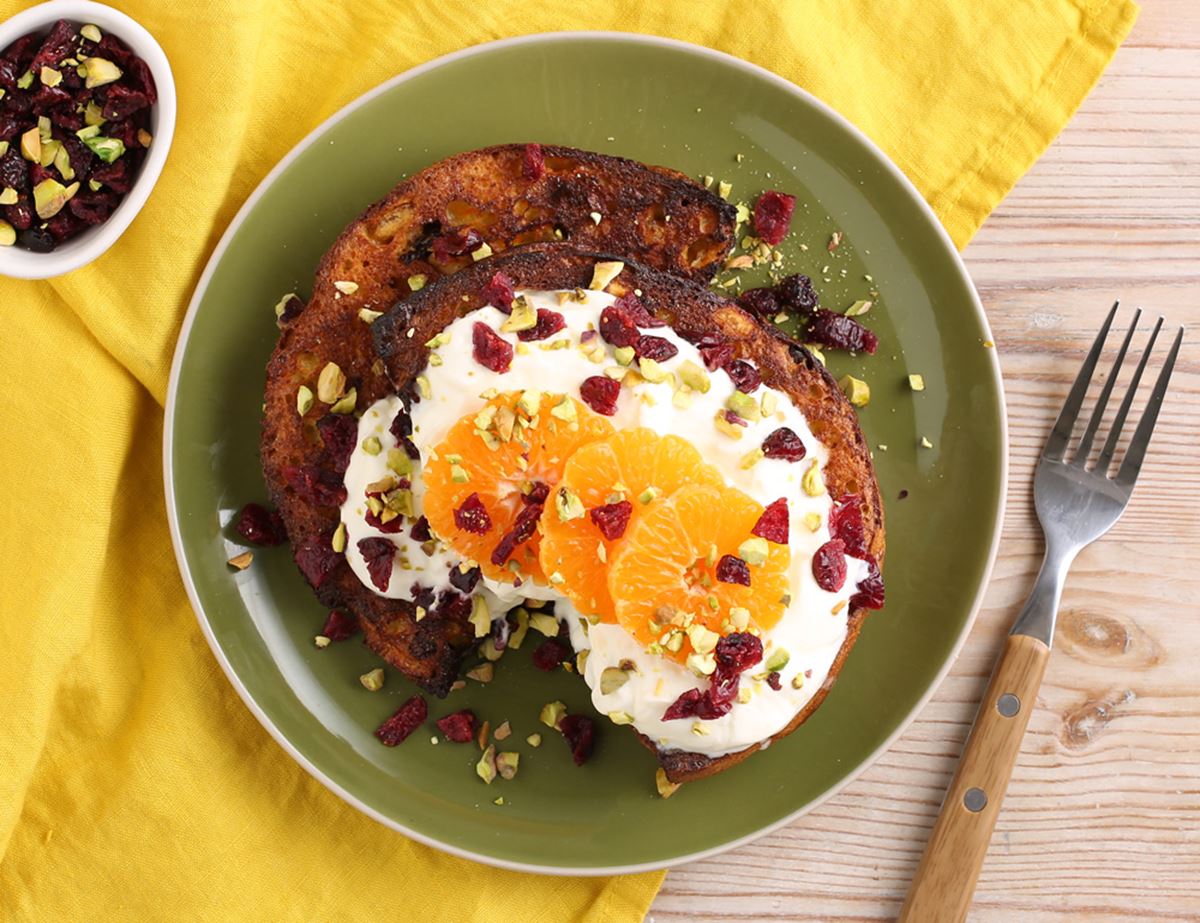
pixel 134 785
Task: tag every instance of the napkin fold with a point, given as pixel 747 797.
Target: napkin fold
pixel 134 785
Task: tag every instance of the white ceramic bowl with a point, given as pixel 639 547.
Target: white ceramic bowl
pixel 83 249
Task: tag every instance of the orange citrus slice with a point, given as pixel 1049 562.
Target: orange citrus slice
pixel 636 466
pixel 664 579
pixel 483 482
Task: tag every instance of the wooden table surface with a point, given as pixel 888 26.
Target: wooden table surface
pixel 1102 819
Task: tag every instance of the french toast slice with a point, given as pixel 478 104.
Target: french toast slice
pixel 501 197
pixel 693 311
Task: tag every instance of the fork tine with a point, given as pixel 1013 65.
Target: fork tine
pixel 1132 464
pixel 1085 444
pixel 1060 436
pixel 1110 444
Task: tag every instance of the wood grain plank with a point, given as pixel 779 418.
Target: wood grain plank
pixel 1102 818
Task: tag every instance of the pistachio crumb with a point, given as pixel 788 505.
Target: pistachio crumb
pixel 372 680
pixel 241 561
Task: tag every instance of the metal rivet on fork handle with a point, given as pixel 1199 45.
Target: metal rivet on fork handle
pixel 975 800
pixel 1008 705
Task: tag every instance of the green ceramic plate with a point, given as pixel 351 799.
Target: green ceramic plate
pixel 660 102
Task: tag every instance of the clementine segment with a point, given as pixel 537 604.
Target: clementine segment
pixel 486 482
pixel 636 469
pixel 664 580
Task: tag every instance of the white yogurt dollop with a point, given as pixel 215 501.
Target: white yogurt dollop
pixel 813 625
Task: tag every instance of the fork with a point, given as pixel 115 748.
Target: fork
pixel 1076 504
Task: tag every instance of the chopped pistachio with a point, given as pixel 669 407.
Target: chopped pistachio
pixel 100 71
pixel 372 680
pixel 564 410
pixel 321 641
pixel 346 287
pixel 481 616
pixel 568 505
pixel 744 694
pixel 813 521
pixel 3 148
pixel 552 714
pixel 49 197
pixel 612 679
pixel 93 115
pixel 507 763
pixel 916 382
pixel 534 740
pixel 596 217
pixel 304 399
pixel 754 551
pixel 372 446
pixel 25 81
pixel 724 188
pixel 703 639
pixel 812 482
pixel 925 443
pixel 605 272
pixel 107 149
pixel 752 458
pixel 777 661
pixel 723 425
pixel 486 767
pixel 770 401
pixel 557 579
pixel 482 252
pixel 624 355
pixel 666 788
pixel 857 391
pixel 798 681
pixel 331 383
pixel 50 149
pixel 458 474
pixel 523 317
pixel 649 494
pixel 8 196
pixel 739 617
pixel 859 308
pixel 530 401
pixel 694 376
pixel 338 542
pixel 50 77
pixel 702 664
pixel 367 316
pixel 241 561
pixel 652 371
pixel 346 403
pixel 620 717
pixel 503 732
pixel 8 234
pixel 31 145
pixel 745 406
pixel 416 282
pixel 90 32
pixel 546 624
pixel 483 673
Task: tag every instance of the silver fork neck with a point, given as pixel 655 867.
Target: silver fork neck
pixel 1040 611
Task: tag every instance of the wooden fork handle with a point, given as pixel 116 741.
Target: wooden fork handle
pixel 945 880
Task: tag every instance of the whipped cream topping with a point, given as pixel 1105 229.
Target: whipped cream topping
pixel 813 625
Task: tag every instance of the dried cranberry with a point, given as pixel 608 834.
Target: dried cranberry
pixel 47 98
pixel 490 349
pixel 759 302
pixel 316 558
pixel 738 652
pixel 36 240
pixel 773 523
pixel 421 595
pixel 685 706
pixel 20 215
pixel 731 417
pixel 114 49
pixel 659 349
pixel 612 519
pixel 580 732
pixel 420 531
pixel 632 305
pixel 533 164
pixel 784 444
pixel 464 581
pixel 522 531
pixel 745 376
pixel 499 292
pixel 459 727
pixel 617 326
pixel 375 521
pixel 378 554
pixel 472 516
pixel 408 718
pixel 316 485
pixel 715 350
pixel 548 323
pixel 539 492
pixel 869 594
pixel 732 569
pixel 838 331
pixel 140 72
pixel 797 293
pixel 339 626
pixel 773 680
pixel 14 170
pixel 55 47
pixel 846 523
pixel 455 243
pixel 401 424
pixel 339 432
pixel 114 175
pixel 123 102
pixel 773 215
pixel 600 393
pixel 829 565
pixel 260 526
pixel 550 654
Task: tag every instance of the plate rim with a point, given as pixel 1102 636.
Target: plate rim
pixel 169 426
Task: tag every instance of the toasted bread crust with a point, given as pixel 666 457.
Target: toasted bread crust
pixel 692 310
pixel 388 245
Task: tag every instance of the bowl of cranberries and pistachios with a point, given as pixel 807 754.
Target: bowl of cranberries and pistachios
pixel 87 112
